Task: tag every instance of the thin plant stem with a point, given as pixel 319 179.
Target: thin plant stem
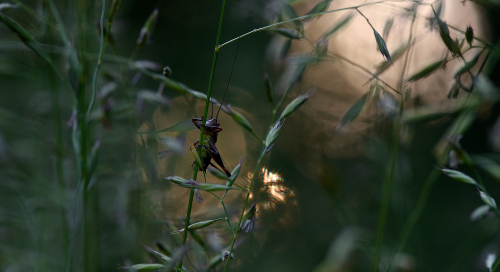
pixel 312 15
pixel 375 76
pixel 225 210
pixel 387 185
pixel 238 227
pixel 202 130
pixel 59 148
pixel 386 195
pixel 102 47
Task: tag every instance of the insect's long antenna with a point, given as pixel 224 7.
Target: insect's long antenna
pixel 202 69
pixel 234 61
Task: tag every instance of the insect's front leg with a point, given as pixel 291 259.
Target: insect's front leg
pixel 215 129
pixel 196 120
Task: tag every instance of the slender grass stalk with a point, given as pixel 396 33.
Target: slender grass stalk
pixel 315 14
pixel 202 130
pixel 386 195
pixel 81 134
pixel 387 187
pixel 102 47
pixel 59 147
pixel 238 227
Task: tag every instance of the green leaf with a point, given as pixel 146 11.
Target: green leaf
pixel 146 64
pixel 147 28
pixel 319 7
pixel 195 154
pixel 426 71
pixel 249 214
pixel 488 165
pixel 289 12
pixel 163 248
pixel 479 212
pixel 384 65
pixel 343 22
pixel 353 111
pixel 287 33
pixel 295 104
pixel 444 32
pixel 387 27
pixel 191 184
pixel 217 173
pixel 93 157
pixel 7 6
pixel 155 253
pixel 469 35
pixel 145 267
pixel 272 135
pixel 381 46
pixel 294 72
pixel 234 174
pixel 197 237
pixel 459 176
pixel 468 65
pixel 487 199
pixel 268 86
pixel 490 260
pixel 322 47
pixel 238 118
pixel 29 41
pixel 286 47
pixel 200 225
pixel 454 90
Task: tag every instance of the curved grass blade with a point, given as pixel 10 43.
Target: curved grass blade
pixel 30 42
pixel 469 35
pixel 487 199
pixel 238 118
pixel 268 86
pixel 286 47
pixel 426 71
pixel 295 104
pixel 199 225
pixel 468 65
pixel 381 46
pixel 273 134
pixel 444 32
pixel 353 111
pixel 191 184
pixel 342 23
pixel 319 7
pixel 459 176
pixel 195 154
pixel 144 267
pixel 387 27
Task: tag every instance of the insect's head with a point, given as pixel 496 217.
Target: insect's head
pixel 212 122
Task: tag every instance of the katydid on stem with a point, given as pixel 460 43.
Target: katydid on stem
pixel 212 128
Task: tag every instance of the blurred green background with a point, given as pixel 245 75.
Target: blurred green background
pixel 310 216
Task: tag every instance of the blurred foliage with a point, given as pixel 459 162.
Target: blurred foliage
pixel 319 219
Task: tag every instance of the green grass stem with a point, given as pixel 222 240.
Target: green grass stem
pixel 312 15
pixel 202 130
